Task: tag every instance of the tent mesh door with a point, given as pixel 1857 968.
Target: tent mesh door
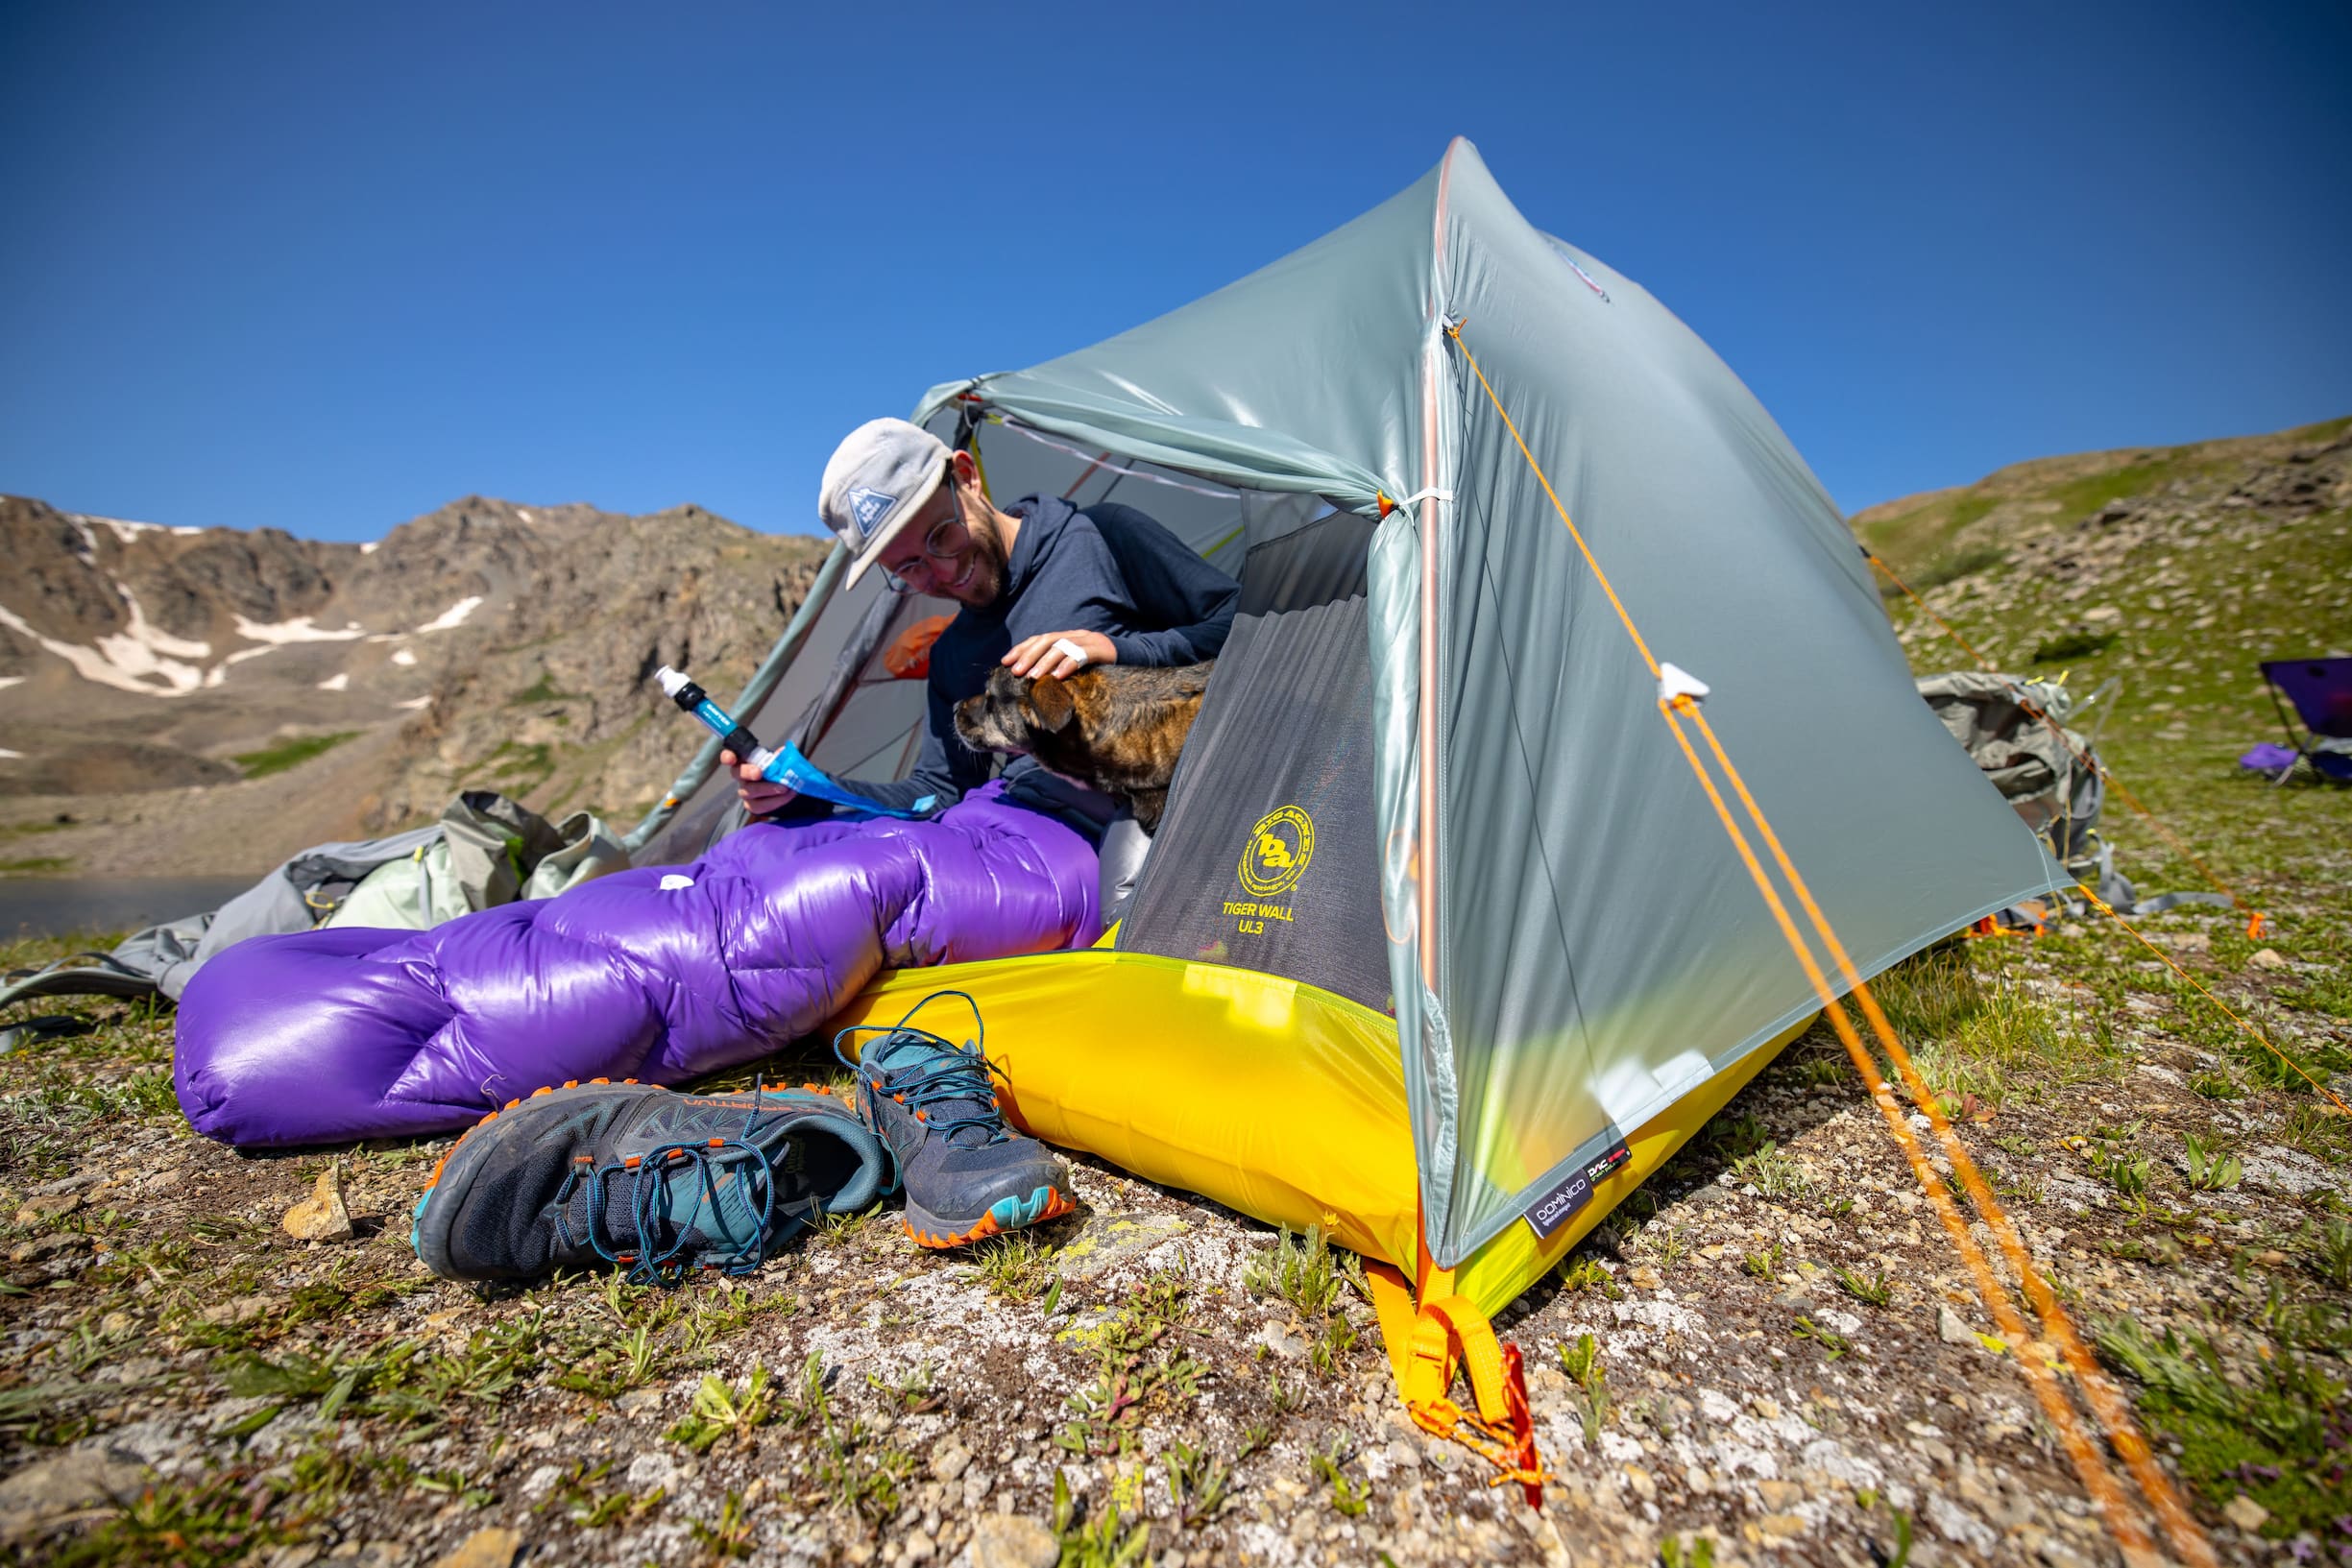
pixel 1268 855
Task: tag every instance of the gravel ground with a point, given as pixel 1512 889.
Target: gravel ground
pixel 1784 1360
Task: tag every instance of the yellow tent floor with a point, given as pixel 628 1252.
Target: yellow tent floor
pixel 1279 1101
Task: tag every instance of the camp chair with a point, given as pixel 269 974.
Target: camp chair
pixel 2321 693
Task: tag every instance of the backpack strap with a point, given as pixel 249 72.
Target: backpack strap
pixel 79 975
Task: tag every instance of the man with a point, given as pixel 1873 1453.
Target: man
pixel 1105 579
pixel 661 1182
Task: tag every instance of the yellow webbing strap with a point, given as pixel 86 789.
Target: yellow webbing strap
pixel 1450 1333
pixel 1427 1344
pixel 1393 1305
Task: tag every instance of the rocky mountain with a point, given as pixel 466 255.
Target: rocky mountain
pixel 210 700
pixel 306 691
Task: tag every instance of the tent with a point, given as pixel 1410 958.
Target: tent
pixel 1440 945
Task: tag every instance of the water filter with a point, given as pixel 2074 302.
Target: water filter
pixel 786 767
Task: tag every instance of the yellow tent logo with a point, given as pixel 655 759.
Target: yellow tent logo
pixel 1280 846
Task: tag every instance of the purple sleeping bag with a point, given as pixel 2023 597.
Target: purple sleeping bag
pixel 662 974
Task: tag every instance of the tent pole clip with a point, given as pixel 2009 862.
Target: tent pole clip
pixel 1675 683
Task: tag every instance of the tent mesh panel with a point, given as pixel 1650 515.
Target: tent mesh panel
pixel 1268 855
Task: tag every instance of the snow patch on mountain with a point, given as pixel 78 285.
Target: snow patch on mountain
pixel 124 530
pixel 133 659
pixel 454 615
pixel 297 630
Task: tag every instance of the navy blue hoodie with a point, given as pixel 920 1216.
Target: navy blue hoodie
pixel 1107 568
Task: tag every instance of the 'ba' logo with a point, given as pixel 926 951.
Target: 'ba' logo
pixel 867 506
pixel 1278 852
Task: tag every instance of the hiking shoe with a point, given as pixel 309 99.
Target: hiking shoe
pixel 967 1174
pixel 632 1175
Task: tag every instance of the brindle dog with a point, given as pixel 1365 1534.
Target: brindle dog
pixel 1117 728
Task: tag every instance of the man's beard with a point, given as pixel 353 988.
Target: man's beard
pixel 982 573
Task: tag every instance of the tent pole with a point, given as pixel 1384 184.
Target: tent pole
pixel 756 691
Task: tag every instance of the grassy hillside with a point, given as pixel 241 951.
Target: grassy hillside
pixel 2174 570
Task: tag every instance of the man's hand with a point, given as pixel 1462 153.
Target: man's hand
pixel 1035 655
pixel 759 796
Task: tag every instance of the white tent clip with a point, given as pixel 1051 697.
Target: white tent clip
pixel 1674 681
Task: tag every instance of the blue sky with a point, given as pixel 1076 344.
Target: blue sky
pixel 324 267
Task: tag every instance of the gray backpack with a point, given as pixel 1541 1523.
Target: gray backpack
pixel 486 850
pixel 2053 783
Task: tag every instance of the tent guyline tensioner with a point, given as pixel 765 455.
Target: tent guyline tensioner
pixel 787 768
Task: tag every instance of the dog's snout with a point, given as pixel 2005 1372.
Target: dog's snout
pixel 988 722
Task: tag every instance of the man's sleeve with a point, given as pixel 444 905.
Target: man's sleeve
pixel 1168 585
pixel 945 768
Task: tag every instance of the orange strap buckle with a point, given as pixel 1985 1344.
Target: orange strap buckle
pixel 1451 1334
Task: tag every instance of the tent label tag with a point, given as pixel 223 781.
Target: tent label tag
pixel 1563 1202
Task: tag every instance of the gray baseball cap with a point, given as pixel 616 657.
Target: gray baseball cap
pixel 876 482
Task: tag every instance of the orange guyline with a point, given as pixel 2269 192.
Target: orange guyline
pixel 1678 706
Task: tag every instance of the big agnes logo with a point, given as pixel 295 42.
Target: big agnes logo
pixel 1280 848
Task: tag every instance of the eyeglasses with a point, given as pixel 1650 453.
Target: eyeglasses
pixel 947 540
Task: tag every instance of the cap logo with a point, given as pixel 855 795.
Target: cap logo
pixel 870 507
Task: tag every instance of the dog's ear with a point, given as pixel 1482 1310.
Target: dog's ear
pixel 1051 701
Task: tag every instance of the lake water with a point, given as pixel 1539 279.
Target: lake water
pixel 62 905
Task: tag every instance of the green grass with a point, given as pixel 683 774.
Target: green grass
pixel 1016 1265
pixel 1110 1540
pixel 1877 1290
pixel 1578 1272
pixel 2070 646
pixel 1304 1272
pixel 2278 1429
pixel 1913 542
pixel 722 1409
pixel 1140 1365
pixel 1971 1033
pixel 518 769
pixel 288 753
pixel 2328 1254
pixel 215 1520
pixel 1582 1363
pixel 2085 497
pixel 1198 1483
pixel 1774 1173
pixel 1952 568
pixel 35 865
pixel 542 690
